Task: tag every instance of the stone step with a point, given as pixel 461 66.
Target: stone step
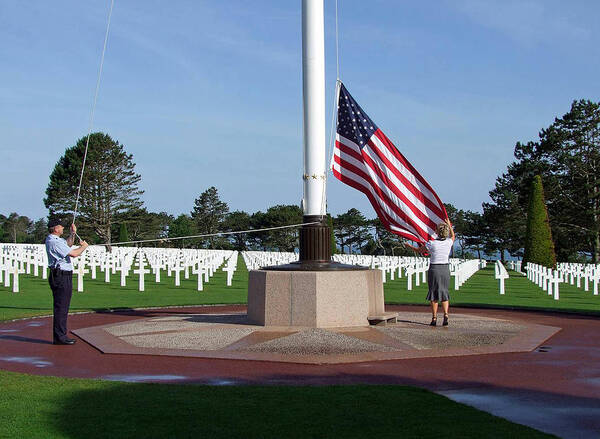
pixel 383 318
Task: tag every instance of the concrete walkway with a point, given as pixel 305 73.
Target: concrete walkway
pixel 554 387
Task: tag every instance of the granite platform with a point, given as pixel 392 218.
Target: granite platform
pixel 232 336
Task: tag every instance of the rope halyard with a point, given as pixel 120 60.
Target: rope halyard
pixel 337 45
pixel 213 234
pixel 87 143
pixel 333 122
pixel 333 111
pixel 75 211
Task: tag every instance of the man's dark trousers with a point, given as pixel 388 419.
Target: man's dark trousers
pixel 61 284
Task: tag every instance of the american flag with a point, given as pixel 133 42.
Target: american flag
pixel 364 158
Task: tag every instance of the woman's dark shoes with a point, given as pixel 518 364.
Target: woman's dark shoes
pixel 433 321
pixel 65 341
pixel 445 322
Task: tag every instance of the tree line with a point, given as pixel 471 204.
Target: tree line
pixel 21 229
pixel 566 156
pixel 111 211
pixel 352 231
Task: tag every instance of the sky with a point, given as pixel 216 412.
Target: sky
pixel 209 93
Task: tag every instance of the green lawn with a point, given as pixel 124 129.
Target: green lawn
pixel 35 297
pixel 34 406
pixel 50 407
pixel 482 290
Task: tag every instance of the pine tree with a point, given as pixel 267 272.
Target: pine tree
pixel 109 187
pixel 539 247
pixel 209 213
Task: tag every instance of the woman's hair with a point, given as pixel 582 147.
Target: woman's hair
pixel 442 230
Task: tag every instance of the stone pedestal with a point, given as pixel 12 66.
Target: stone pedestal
pixel 319 299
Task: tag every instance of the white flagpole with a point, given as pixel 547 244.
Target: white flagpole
pixel 313 69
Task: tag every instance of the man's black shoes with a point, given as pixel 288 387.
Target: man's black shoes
pixel 65 341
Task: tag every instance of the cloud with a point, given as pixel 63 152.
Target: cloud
pixel 527 22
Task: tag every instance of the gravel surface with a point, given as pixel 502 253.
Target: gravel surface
pixel 317 342
pixel 206 340
pixel 216 331
pixel 443 338
pixel 172 323
pixel 459 321
pixel 463 331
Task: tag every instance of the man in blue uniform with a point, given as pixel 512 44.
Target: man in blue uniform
pixel 60 252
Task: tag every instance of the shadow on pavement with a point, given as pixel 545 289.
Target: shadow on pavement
pixel 24 339
pixel 170 311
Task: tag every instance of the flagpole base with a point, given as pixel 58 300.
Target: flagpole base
pixel 317 299
pixel 315 266
pixel 315 249
pixel 315 239
pixel 316 291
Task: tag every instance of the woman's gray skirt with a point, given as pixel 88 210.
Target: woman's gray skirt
pixel 438 278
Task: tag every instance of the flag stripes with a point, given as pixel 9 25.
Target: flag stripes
pixel 410 177
pixel 394 217
pixel 365 188
pixel 365 159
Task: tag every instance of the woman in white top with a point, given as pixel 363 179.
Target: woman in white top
pixel 438 276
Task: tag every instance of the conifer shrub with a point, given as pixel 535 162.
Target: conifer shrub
pixel 123 234
pixel 332 237
pixel 539 247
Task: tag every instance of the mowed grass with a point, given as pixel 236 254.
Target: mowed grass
pixel 50 407
pixel 482 290
pixel 35 297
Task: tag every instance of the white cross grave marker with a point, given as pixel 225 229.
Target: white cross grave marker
pixel 80 272
pixel 177 269
pixel 15 279
pixel 199 271
pixel 141 271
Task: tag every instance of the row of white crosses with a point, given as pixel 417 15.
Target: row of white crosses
pixel 500 274
pixel 415 268
pixel 9 267
pixel 516 266
pixel 394 266
pixel 463 269
pixel 177 263
pixel 256 260
pixel 576 273
pixel 389 265
pixel 18 259
pixel 545 278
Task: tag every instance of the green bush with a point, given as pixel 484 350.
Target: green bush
pixel 123 235
pixel 330 224
pixel 539 247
